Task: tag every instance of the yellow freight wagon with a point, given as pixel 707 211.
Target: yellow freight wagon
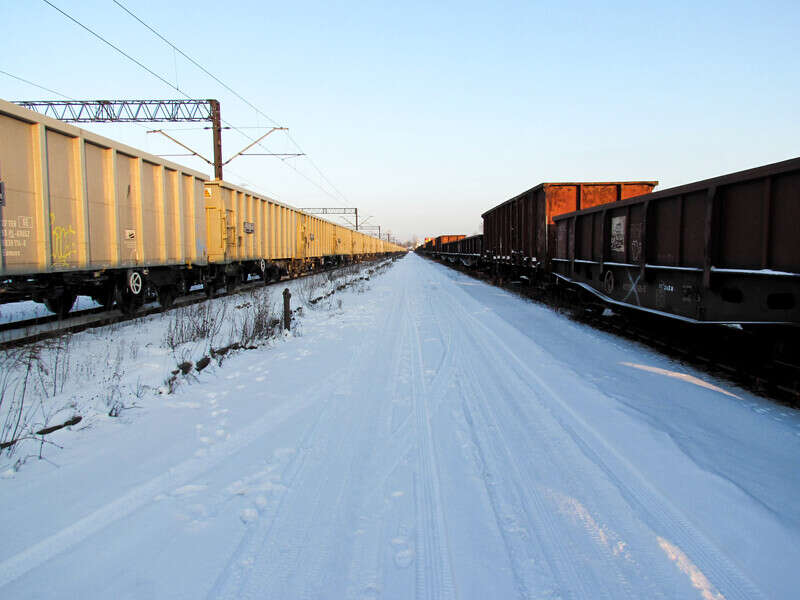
pixel 83 214
pixel 250 234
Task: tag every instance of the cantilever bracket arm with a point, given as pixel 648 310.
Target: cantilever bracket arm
pixel 182 145
pixel 246 148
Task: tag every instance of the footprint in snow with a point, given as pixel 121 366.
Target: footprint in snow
pixel 237 488
pixel 403 552
pixel 248 515
pixel 187 490
pixel 198 511
pixel 371 591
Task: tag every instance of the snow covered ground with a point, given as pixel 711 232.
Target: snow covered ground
pixel 18 311
pixel 428 437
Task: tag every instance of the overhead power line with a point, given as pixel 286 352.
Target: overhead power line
pixel 41 87
pixel 105 41
pixel 168 83
pixel 195 63
pixel 243 99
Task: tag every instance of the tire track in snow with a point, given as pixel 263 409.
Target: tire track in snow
pixel 513 494
pixel 664 518
pixel 434 576
pixel 366 575
pixel 522 510
pixel 289 554
pixel 240 563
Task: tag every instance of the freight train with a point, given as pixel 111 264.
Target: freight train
pixel 85 215
pixel 723 250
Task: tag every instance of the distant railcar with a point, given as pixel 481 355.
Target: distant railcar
pixel 467 250
pixel 723 250
pixel 441 240
pixel 515 233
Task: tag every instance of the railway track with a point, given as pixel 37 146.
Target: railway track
pixel 764 362
pixel 28 331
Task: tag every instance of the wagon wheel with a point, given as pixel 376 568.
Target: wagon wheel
pixel 230 283
pixel 131 297
pixel 135 283
pixel 61 304
pixel 129 303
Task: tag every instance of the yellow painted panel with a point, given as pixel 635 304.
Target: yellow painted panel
pixel 22 241
pixel 99 188
pixel 172 225
pixel 65 213
pixel 152 240
pixel 127 186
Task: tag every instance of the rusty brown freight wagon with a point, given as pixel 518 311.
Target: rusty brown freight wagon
pixel 723 250
pixel 467 250
pixel 82 214
pixel 515 232
pixel 446 239
pixel 472 245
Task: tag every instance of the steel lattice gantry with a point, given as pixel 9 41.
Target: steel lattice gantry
pixel 132 111
pixel 123 111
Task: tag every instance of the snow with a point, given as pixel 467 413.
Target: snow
pixel 420 434
pixel 19 311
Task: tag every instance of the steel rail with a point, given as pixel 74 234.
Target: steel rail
pixel 111 316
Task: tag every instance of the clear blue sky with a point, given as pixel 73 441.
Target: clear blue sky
pixel 426 114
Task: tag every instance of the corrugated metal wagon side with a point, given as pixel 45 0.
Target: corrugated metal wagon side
pixel 82 214
pixel 517 233
pixel 462 249
pixel 723 250
pixel 254 235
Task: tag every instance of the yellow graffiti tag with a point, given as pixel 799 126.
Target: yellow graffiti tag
pixel 63 242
